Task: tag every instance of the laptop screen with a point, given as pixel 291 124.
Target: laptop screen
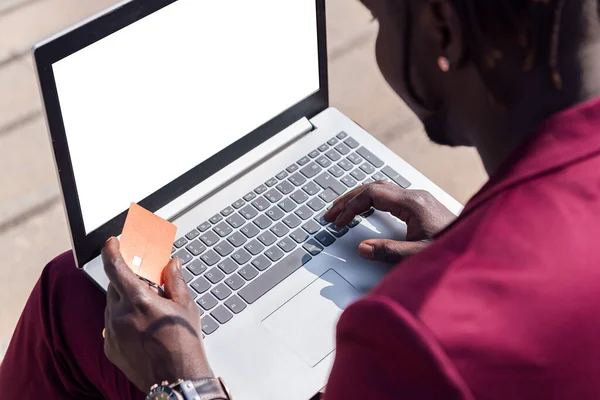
pixel 148 103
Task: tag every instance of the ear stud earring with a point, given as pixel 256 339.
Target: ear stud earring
pixel 444 64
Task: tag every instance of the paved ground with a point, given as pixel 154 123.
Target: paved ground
pixel 32 222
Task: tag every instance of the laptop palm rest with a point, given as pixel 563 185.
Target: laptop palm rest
pixel 306 323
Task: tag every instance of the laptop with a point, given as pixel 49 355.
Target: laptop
pixel 215 116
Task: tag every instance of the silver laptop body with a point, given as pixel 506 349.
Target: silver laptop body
pixel 270 278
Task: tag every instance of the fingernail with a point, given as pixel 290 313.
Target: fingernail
pixel 109 239
pixel 178 264
pixel 366 251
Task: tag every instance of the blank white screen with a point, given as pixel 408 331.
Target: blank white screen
pixel 148 103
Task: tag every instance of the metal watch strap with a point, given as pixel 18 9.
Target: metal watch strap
pixel 204 389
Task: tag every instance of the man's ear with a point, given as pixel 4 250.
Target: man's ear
pixel 446 30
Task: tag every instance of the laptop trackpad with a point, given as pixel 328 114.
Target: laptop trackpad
pixel 306 323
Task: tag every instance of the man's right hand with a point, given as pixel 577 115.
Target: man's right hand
pixel 422 213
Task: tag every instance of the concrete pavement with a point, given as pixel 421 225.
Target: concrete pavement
pixel 32 224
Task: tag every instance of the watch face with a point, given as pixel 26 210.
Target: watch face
pixel 160 396
pixel 162 393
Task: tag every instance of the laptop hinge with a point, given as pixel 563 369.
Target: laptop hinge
pixel 236 169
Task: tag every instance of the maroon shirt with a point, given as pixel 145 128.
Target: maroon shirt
pixel 506 303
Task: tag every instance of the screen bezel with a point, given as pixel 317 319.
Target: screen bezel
pixel 88 246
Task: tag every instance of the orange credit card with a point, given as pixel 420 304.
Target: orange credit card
pixel 146 243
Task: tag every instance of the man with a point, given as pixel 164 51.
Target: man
pixel 498 304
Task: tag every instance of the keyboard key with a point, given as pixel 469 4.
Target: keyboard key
pixel 297 179
pixel 234 282
pixel 325 238
pixel 323 161
pixel 367 168
pixel 355 222
pixel 345 165
pixel 274 275
pixel 215 219
pixel 274 253
pixel 250 196
pixel 271 182
pixel 221 291
pixel 310 170
pixel 354 159
pixel 222 229
pixel 313 247
pixel 210 258
pixel 187 276
pixel 195 248
pixel 316 204
pixel 227 266
pixel 325 180
pixel 286 245
pixel 227 211
pixel 235 304
pixel 292 168
pixel 263 222
pixel 221 314
pixel 224 248
pixel 311 188
pixel 209 238
pixel 261 204
pixel 342 135
pixel 250 230
pixel 379 176
pixel 193 234
pixel 236 220
pixel 358 175
pixel 313 154
pixel 333 155
pixel 254 247
pixel 311 227
pixel 396 177
pixel 303 161
pixel 214 275
pixel 279 229
pixel 304 213
pixel 237 239
pixel 287 205
pixel 332 142
pixel 370 157
pixel 275 213
pixel 350 142
pixel 179 243
pixel 260 190
pixel 204 226
pixel 342 149
pixel 196 267
pixel 248 272
pixel 273 196
pixel 299 196
pixel 193 294
pixel 238 203
pixel 241 256
pixel 292 221
pixel 281 175
pixel 209 325
pixel 368 213
pixel 285 187
pixel 200 285
pixel 267 238
pixel 320 218
pixel 337 231
pixel 336 171
pixel 299 235
pixel 349 181
pixel 183 255
pixel 323 148
pixel 249 212
pixel 261 263
pixel 207 301
pixel 328 196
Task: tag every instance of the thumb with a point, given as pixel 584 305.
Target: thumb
pixel 389 251
pixel 175 287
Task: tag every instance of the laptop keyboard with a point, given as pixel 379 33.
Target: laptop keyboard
pixel 239 254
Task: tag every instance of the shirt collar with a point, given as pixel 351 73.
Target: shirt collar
pixel 563 139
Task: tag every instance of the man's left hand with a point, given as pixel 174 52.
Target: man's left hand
pixel 151 337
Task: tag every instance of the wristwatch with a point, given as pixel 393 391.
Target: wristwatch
pixel 198 389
